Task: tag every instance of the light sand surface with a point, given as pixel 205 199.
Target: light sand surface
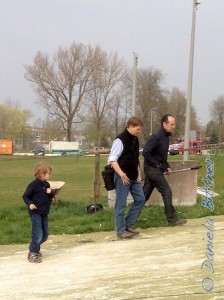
pixel 160 263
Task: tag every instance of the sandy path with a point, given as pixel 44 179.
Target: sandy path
pixel 162 263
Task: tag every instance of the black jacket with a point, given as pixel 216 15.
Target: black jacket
pixel 129 159
pixel 156 148
pixel 36 193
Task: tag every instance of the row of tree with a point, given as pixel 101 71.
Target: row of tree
pixel 13 120
pixel 85 84
pixel 88 92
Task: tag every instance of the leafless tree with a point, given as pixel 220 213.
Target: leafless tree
pixel 177 107
pixel 107 91
pixel 217 113
pixel 61 82
pixel 150 98
pixel 177 101
pixel 53 129
pixel 119 113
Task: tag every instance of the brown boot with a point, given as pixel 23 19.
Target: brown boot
pixel 34 257
pixel 125 235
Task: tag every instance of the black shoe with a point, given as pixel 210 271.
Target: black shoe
pixel 178 222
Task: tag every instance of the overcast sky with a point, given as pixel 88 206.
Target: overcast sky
pixel 159 31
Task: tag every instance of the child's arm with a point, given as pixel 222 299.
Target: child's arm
pixel 27 197
pixel 32 206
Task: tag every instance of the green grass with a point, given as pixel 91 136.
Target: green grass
pixel 76 171
pixel 69 214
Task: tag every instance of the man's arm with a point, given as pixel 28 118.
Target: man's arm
pixel 149 151
pixel 115 153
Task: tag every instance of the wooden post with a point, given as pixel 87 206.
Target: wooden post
pixel 97 179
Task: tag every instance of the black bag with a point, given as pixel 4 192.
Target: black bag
pixel 108 177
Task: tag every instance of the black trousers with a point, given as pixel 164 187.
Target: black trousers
pixel 154 178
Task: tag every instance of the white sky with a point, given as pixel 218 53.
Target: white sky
pixel 158 31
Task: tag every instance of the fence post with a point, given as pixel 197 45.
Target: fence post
pixel 97 179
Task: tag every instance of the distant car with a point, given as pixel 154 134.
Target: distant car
pixel 39 150
pixel 194 148
pixel 176 149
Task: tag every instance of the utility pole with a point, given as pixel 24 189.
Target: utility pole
pixel 190 79
pixel 152 110
pixel 134 73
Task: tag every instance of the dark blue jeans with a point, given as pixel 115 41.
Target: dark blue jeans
pixel 40 231
pixel 135 188
pixel 154 178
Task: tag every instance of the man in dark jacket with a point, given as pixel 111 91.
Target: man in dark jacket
pixel 156 165
pixel 124 158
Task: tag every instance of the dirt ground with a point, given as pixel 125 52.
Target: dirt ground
pixel 160 263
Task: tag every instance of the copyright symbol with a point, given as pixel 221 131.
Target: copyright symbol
pixel 207 284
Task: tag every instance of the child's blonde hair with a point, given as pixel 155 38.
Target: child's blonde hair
pixel 41 169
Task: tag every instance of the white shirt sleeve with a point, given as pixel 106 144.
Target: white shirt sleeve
pixel 116 150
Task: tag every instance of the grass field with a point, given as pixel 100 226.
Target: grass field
pixel 69 215
pixel 76 171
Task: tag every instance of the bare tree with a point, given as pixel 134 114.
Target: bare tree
pixel 107 90
pixel 177 101
pixel 118 115
pixel 212 132
pixel 62 82
pixel 53 129
pixel 150 98
pixel 177 107
pixel 217 113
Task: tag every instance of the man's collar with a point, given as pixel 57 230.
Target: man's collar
pixel 165 132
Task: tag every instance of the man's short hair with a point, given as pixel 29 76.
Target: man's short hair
pixel 165 118
pixel 133 121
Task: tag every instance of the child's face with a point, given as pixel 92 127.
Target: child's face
pixel 46 176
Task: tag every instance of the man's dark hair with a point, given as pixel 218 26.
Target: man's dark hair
pixel 165 118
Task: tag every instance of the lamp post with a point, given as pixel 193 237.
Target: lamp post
pixel 135 63
pixel 152 110
pixel 190 79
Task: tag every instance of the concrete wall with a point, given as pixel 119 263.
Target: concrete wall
pixel 183 185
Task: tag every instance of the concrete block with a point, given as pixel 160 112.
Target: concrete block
pixel 183 185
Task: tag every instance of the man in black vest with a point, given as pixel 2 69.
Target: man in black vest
pixel 124 158
pixel 156 165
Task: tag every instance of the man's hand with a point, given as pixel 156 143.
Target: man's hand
pixel 139 179
pixel 125 180
pixel 168 171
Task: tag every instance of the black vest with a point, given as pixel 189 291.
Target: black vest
pixel 129 159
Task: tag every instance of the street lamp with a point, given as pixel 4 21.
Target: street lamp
pixel 135 62
pixel 190 79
